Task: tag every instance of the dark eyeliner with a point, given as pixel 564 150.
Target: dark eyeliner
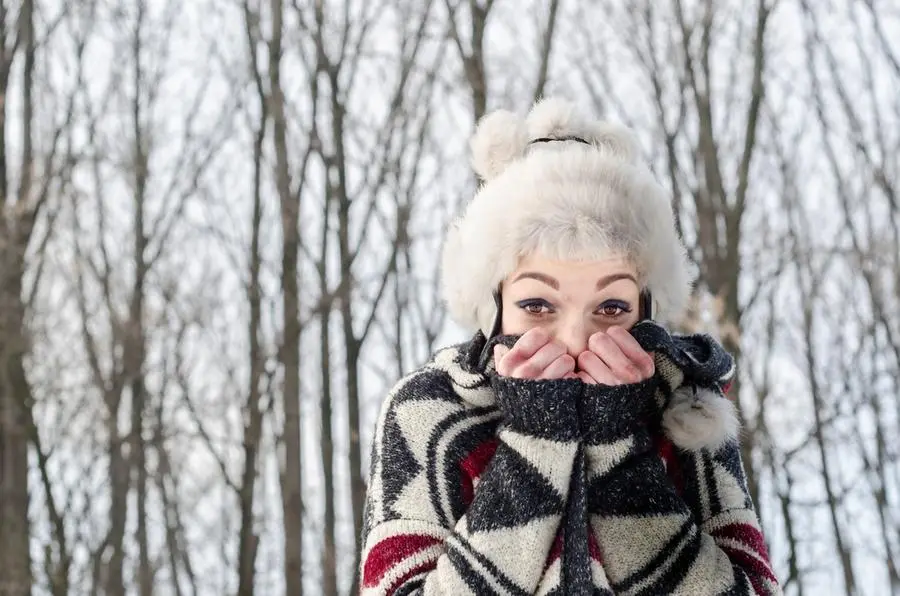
pixel 523 304
pixel 626 308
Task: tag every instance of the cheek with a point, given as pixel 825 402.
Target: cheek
pixel 515 321
pixel 630 319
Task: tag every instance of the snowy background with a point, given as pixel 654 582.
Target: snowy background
pixel 220 223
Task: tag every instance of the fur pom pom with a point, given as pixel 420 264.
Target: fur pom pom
pixel 616 140
pixel 556 118
pixel 500 138
pixel 700 418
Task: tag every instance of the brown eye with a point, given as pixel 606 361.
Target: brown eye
pixel 535 307
pixel 613 308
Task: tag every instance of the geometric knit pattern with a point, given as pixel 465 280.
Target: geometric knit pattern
pixel 482 484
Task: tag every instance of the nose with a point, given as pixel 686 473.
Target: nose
pixel 574 332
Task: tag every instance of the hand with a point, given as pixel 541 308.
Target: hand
pixel 614 357
pixel 534 356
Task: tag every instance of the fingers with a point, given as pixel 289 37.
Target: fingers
pixel 586 378
pixel 524 348
pixel 613 357
pixel 580 376
pixel 619 364
pixel 633 350
pixel 591 364
pixel 534 356
pixel 534 367
pixel 500 353
pixel 559 368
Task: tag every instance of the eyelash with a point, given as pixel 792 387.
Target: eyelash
pixel 624 307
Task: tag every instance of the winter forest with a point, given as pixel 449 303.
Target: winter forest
pixel 220 228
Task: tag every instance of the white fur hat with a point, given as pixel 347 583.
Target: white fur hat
pixel 568 187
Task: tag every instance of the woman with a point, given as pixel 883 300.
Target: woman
pixel 573 446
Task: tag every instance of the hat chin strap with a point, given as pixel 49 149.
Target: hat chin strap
pixel 646 305
pixel 495 327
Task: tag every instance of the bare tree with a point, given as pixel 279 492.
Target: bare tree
pixel 546 50
pixel 289 199
pixel 339 66
pixel 116 284
pixel 472 51
pixel 19 210
pixel 777 460
pixel 871 220
pixel 809 280
pixel 118 367
pixel 27 222
pixel 321 169
pixel 289 181
pixel 326 441
pixel 179 557
pixel 248 541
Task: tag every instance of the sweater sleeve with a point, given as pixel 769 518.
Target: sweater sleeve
pixel 417 539
pixel 651 539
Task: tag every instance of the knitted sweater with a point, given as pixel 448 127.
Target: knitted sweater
pixel 482 484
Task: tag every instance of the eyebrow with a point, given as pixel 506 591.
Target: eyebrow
pixel 553 283
pixel 605 281
pixel 550 281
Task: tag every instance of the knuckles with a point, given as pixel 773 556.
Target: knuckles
pixel 529 370
pixel 631 374
pixel 521 360
pixel 586 358
pixel 568 361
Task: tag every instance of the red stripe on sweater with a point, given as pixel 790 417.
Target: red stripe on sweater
pixel 755 569
pixel 408 575
pixel 392 551
pixel 594 548
pixel 751 537
pixel 473 465
pixel 745 533
pixel 666 451
pixel 555 550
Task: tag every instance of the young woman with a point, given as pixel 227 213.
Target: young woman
pixel 573 446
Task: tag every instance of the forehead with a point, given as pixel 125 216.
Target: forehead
pixel 575 270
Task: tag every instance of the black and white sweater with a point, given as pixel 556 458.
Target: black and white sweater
pixel 482 484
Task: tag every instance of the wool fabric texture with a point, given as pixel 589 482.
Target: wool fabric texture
pixel 483 484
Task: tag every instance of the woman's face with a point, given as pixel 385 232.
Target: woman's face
pixel 571 300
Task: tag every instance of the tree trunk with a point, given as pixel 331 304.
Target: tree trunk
pixel 473 59
pixel 134 336
pixel 15 397
pixel 113 571
pixel 15 393
pixel 345 295
pixel 292 476
pixel 248 541
pixel 546 50
pixel 329 556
